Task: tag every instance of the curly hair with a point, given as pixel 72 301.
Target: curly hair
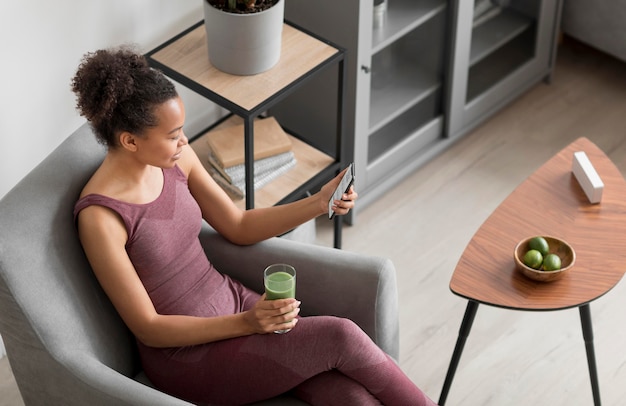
pixel 116 91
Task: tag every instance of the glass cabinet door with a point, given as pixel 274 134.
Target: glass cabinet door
pixel 406 79
pixel 501 48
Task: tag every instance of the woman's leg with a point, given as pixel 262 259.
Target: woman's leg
pixel 248 369
pixel 359 359
pixel 333 388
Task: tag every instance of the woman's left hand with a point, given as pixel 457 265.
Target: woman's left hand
pixel 267 316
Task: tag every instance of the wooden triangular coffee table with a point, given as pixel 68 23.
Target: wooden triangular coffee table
pixel 549 202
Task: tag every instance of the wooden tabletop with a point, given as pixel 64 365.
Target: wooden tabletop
pixel 189 56
pixel 550 202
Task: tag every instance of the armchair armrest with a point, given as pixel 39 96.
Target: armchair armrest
pixel 96 384
pixel 329 281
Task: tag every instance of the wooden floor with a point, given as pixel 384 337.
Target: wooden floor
pixel 423 225
pixel 511 358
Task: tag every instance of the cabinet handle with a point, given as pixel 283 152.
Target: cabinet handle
pixel 365 69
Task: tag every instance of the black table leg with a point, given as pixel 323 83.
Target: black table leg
pixel 585 320
pixel 466 325
pixel 338 230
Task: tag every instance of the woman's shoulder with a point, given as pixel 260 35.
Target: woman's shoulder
pixel 99 195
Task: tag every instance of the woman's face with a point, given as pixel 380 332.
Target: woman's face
pixel 162 145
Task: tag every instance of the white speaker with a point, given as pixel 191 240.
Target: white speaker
pixel 587 177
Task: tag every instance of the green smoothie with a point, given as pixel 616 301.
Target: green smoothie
pixel 280 285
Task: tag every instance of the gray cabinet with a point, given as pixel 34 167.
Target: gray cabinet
pixel 421 76
pixel 503 49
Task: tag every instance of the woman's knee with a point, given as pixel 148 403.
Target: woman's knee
pixel 346 333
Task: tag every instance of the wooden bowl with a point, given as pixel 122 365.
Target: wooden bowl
pixel 556 246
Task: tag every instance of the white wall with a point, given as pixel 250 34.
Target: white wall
pixel 42 43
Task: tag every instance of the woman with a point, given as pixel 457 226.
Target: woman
pixel 202 336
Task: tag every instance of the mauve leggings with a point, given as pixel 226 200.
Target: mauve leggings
pixel 324 360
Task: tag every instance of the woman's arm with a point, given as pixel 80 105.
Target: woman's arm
pixel 251 226
pixel 103 237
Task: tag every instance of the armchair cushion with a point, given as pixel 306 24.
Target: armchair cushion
pixel 66 343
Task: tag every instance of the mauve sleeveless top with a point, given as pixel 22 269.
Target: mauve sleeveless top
pixel 163 246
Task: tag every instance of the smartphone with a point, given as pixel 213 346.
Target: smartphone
pixel 344 186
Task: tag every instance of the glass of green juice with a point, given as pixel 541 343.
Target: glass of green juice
pixel 280 283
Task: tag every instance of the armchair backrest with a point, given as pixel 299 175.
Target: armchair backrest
pixel 52 310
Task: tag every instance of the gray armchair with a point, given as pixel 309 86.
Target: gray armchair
pixel 65 342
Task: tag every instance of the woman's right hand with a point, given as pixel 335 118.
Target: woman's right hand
pixel 267 316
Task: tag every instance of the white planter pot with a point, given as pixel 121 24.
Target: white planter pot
pixel 244 44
